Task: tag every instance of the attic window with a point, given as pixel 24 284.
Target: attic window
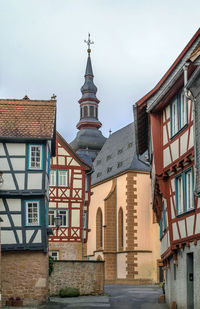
pixel 99 174
pixel 109 157
pixel 130 145
pixel 98 162
pixel 119 164
pixel 120 151
pixel 109 169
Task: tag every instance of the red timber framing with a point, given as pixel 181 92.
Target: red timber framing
pixel 173 156
pixel 70 196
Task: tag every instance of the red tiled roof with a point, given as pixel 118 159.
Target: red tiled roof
pixel 27 118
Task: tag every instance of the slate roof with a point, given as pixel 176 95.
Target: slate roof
pixel 27 118
pixel 118 155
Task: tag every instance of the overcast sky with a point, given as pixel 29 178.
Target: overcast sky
pixel 43 52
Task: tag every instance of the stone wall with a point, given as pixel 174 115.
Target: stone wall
pixel 87 276
pixel 67 250
pixel 24 275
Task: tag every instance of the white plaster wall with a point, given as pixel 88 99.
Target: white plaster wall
pixel 190 225
pixel 75 219
pixel 166 157
pixel 17 220
pixel 4 166
pixel 20 180
pixel 77 183
pixel 62 151
pixel 2 152
pixel 176 290
pixel 34 181
pixel 14 204
pixel 16 149
pixel 8 183
pixel 191 141
pixel 181 224
pixel 174 149
pixel 164 244
pixel 197 230
pixel 165 140
pixel 183 143
pixel 18 164
pixel 7 237
pixel 175 231
pixel 38 237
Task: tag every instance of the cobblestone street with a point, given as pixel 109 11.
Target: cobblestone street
pixel 118 296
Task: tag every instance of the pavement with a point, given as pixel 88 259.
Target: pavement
pixel 116 297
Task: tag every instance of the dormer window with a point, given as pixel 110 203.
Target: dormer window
pixel 35 157
pixel 120 151
pixel 119 164
pixel 130 145
pixel 109 157
pixel 99 174
pixel 109 169
pixel 98 162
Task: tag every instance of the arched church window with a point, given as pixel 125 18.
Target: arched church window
pixel 99 229
pixel 120 229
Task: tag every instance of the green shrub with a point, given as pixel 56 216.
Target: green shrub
pixel 69 292
pixel 50 265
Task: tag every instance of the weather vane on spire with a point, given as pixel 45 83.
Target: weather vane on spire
pixel 88 42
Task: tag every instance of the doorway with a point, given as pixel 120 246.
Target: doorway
pixel 190 281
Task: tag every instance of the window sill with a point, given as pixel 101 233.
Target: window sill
pixel 176 134
pixel 185 213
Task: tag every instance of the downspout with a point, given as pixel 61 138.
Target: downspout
pixel 83 216
pixel 116 223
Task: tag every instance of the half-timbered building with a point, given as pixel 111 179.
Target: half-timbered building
pixel 69 199
pixel 27 142
pixel 123 231
pixel 166 127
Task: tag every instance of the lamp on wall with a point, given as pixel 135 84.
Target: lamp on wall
pixel 1 178
pixel 58 221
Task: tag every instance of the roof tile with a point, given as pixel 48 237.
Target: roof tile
pixel 27 118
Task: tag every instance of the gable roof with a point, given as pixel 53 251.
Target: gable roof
pixel 117 156
pixel 83 161
pixel 27 119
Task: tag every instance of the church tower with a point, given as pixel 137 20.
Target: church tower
pixel 89 139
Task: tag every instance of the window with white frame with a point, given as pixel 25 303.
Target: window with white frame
pixel 63 178
pixel 184 192
pixel 51 217
pixel 64 217
pixel 178 113
pixel 54 255
pixel 35 156
pixel 53 178
pixel 32 209
pixel 189 192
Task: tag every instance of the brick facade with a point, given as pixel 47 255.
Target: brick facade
pixel 87 276
pixel 25 275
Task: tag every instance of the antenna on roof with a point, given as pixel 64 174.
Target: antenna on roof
pixel 110 132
